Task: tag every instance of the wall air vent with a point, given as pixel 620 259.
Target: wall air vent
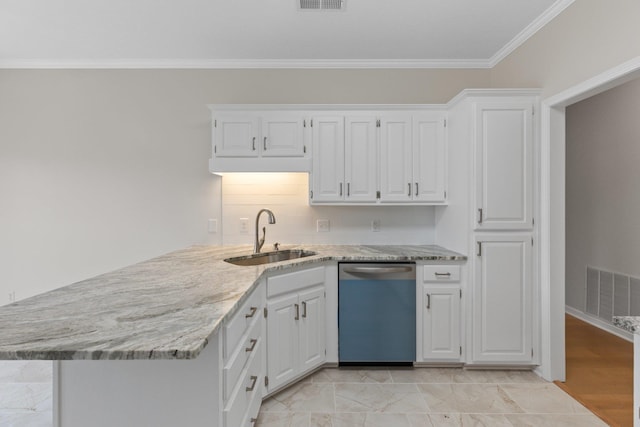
pixel 321 4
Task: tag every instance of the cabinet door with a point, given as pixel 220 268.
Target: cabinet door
pixel 502 300
pixel 328 159
pixel 312 335
pixel 282 339
pixel 360 159
pixel 504 162
pixel 282 135
pixel 396 178
pixel 441 323
pixel 429 158
pixel 236 135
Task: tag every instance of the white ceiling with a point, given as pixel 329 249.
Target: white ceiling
pixel 266 33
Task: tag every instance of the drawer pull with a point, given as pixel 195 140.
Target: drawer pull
pixel 252 346
pixel 253 420
pixel 251 312
pixel 304 309
pixel 254 380
pixel 443 274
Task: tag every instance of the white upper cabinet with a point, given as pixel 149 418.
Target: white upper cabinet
pixel 236 135
pixel 396 151
pixel 504 165
pixel 360 159
pixel 283 135
pixel 328 159
pixel 413 158
pixel 260 141
pixel 429 158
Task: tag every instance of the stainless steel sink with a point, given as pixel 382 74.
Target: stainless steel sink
pixel 269 257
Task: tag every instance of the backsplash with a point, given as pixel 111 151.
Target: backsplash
pixel 287 194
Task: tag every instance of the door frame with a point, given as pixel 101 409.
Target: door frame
pixel 552 207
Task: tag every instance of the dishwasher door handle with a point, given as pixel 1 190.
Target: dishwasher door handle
pixel 377 270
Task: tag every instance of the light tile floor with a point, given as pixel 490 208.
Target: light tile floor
pixel 26 392
pixel 356 398
pixel 423 397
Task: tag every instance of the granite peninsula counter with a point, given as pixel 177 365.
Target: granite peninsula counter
pixel 164 308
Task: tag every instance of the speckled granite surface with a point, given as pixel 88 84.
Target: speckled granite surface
pixel 163 308
pixel 628 323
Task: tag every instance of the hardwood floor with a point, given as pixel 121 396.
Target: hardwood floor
pixel 599 372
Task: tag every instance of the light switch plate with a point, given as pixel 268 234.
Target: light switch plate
pixel 375 225
pixel 213 225
pixel 322 225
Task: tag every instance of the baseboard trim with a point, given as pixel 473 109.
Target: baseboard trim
pixel 601 324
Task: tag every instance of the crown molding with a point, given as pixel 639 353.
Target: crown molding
pixel 524 35
pixel 240 63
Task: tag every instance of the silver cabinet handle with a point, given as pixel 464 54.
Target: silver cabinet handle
pixel 340 189
pixel 443 274
pixel 480 216
pixel 253 420
pixel 297 312
pixel 254 380
pixel 304 309
pixel 409 193
pixel 416 188
pixel 479 253
pixel 428 301
pixel 348 189
pixel 264 144
pixel 377 270
pixel 253 144
pixel 252 346
pixel 252 312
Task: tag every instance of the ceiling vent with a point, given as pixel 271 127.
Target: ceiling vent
pixel 321 4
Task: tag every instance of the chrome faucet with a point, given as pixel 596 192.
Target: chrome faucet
pixel 257 245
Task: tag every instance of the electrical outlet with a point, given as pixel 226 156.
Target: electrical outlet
pixel 12 296
pixel 213 225
pixel 244 225
pixel 375 225
pixel 322 225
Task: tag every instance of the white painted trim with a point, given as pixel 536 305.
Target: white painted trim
pixel 490 92
pixel 553 140
pixel 56 393
pixel 535 26
pixel 594 321
pixel 611 78
pixel 314 108
pixel 241 63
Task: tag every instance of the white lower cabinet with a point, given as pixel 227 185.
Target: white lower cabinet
pixel 502 302
pixel 295 325
pixel 439 316
pixel 244 361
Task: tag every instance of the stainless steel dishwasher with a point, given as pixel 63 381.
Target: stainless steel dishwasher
pixel 376 313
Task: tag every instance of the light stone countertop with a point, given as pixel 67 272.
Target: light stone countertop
pixel 628 323
pixel 163 308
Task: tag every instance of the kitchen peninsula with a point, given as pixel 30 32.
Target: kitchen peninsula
pixel 153 343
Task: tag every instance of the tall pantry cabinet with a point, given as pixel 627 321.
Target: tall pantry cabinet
pixel 493 137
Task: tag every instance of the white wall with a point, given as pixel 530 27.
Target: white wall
pixel 603 173
pixel 287 195
pixel 103 168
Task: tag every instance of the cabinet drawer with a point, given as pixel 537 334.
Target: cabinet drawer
pixel 291 282
pixel 441 273
pixel 252 412
pixel 248 387
pixel 249 344
pixel 242 320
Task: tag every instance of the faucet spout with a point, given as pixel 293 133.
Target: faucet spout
pixel 259 242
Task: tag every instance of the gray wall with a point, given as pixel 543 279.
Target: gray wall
pixel 103 168
pixel 603 193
